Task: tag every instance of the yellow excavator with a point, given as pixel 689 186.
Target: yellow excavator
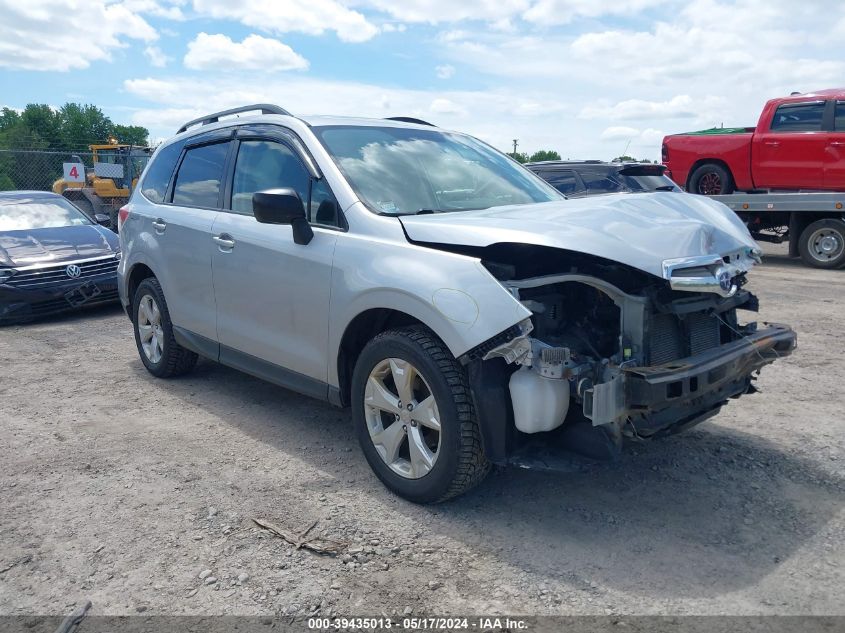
pixel 109 183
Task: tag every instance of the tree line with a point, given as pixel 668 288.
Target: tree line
pixel 36 141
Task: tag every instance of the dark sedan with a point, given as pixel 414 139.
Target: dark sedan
pixel 53 257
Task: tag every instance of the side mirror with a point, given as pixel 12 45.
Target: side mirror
pixel 282 206
pixel 102 218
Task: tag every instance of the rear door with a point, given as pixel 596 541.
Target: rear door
pixel 272 294
pixel 791 153
pixel 180 233
pixel 834 159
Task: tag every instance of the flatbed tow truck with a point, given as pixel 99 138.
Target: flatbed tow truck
pixel 813 223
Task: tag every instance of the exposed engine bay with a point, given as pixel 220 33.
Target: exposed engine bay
pixel 640 362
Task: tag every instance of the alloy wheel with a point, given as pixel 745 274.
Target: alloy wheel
pixel 402 418
pixel 710 184
pixel 150 329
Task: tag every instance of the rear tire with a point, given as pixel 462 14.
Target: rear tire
pixel 822 244
pixel 161 354
pixel 454 460
pixel 711 179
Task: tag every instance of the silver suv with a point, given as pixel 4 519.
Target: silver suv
pixel 461 306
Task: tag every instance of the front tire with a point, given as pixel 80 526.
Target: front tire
pixel 822 244
pixel 711 179
pixel 414 417
pixel 161 354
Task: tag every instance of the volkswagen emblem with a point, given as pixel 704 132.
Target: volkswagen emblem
pixel 73 271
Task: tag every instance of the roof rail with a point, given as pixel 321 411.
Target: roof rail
pixel 408 119
pixel 266 108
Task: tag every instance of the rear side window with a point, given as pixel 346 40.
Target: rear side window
pixel 200 175
pixel 839 120
pixel 563 181
pixel 159 172
pixel 798 117
pixel 601 182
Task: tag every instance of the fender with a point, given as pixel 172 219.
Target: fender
pixel 453 295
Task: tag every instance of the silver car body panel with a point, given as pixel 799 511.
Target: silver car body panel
pixel 373 266
pixel 648 231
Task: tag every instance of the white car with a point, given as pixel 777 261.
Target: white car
pixel 459 304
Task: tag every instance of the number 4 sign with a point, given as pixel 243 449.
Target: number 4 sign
pixel 74 172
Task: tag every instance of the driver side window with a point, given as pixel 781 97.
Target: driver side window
pixel 264 165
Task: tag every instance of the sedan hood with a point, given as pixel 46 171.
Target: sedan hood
pixel 55 245
pixel 648 231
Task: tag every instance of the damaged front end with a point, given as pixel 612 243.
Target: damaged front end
pixel 596 362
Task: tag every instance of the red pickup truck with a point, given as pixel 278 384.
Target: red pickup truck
pixel 798 145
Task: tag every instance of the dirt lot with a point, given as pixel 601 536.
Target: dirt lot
pixel 135 493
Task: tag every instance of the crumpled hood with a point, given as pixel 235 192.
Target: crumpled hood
pixel 640 230
pixel 55 245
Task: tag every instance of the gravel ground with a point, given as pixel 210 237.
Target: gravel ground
pixel 138 494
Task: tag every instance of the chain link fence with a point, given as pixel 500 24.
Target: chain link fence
pixel 36 169
pixel 99 183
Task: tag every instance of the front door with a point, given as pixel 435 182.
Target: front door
pixel 272 294
pixel 790 154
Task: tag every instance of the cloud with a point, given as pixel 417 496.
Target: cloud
pixel 156 56
pixel 680 106
pixel 616 133
pixel 651 136
pixel 218 52
pixel 167 10
pixel 439 11
pixel 312 17
pixel 62 35
pixel 494 116
pixel 447 71
pixel 554 12
pixel 445 106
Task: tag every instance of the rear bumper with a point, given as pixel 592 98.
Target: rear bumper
pixel 18 304
pixel 668 398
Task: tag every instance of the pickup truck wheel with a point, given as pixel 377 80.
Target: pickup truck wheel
pixel 822 244
pixel 711 179
pixel 161 354
pixel 414 417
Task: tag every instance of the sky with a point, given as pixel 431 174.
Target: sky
pixel 588 78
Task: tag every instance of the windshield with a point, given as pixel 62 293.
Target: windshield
pixel 647 178
pixel 21 214
pixel 400 171
pixel 650 183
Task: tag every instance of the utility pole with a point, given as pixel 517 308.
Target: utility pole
pixel 515 143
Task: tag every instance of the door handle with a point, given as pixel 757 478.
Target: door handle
pixel 224 241
pixel 837 143
pixel 772 143
pixel 159 225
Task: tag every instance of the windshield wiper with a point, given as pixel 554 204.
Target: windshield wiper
pixel 665 188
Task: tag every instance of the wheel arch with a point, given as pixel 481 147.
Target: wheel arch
pixel 708 161
pixel 137 273
pixel 361 330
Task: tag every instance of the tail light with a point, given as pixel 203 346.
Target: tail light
pixel 664 153
pixel 122 216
